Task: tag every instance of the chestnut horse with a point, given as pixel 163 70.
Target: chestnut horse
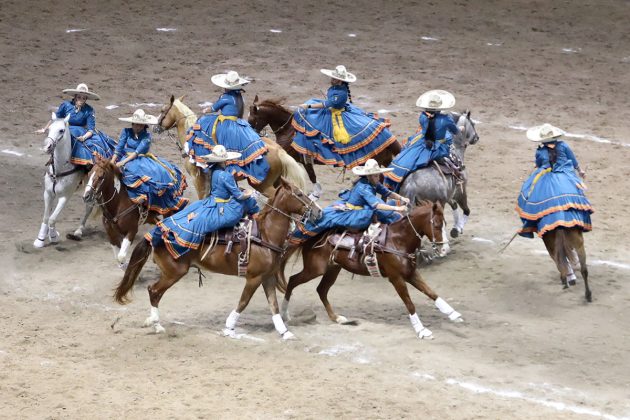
pixel 397 263
pixel 121 216
pixel 272 113
pixel 177 114
pixel 273 222
pixel 563 245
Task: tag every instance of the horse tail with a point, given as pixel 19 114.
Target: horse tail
pixel 563 247
pixel 281 281
pixel 139 257
pixel 291 170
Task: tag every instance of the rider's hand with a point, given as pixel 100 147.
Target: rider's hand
pixel 404 199
pixel 120 164
pixel 81 138
pixel 206 110
pixel 401 208
pixel 303 106
pixel 582 173
pixel 40 131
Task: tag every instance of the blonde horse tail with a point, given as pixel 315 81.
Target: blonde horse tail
pixel 139 257
pixel 292 171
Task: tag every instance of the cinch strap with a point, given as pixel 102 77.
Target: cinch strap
pixel 340 134
pixel 220 118
pixel 353 207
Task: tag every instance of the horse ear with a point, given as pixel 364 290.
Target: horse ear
pixel 53 116
pixel 67 118
pixel 468 113
pixel 181 98
pixel 256 99
pixel 172 99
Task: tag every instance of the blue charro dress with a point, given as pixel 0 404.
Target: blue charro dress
pixel 80 122
pixel 148 178
pixel 553 195
pixel 353 211
pixel 232 132
pixel 339 134
pixel 437 130
pixel 223 208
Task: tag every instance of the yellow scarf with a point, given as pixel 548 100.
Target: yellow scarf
pixel 220 118
pixel 340 134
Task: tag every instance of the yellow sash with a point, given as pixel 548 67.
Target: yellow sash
pixel 220 118
pixel 222 200
pixel 353 207
pixel 339 130
pixel 541 173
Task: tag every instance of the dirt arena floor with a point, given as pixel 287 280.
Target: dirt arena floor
pixel 528 349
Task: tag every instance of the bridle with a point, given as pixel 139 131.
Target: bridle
pixel 307 212
pixel 160 129
pixel 54 176
pixel 434 243
pixel 275 132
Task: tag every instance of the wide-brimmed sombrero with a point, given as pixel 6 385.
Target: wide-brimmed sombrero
pixel 230 80
pixel 371 167
pixel 139 117
pixel 220 154
pixel 436 100
pixel 82 89
pixel 543 133
pixel 340 73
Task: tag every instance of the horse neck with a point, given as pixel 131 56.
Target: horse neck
pixel 62 153
pixel 404 235
pixel 459 140
pixel 185 120
pixel 275 226
pixel 112 199
pixel 279 120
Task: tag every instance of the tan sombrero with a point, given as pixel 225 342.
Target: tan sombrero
pixel 435 100
pixel 371 167
pixel 82 89
pixel 230 80
pixel 220 154
pixel 340 73
pixel 139 117
pixel 543 133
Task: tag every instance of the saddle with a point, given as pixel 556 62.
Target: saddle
pixel 451 165
pixel 366 244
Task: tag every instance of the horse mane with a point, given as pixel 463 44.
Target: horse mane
pixel 276 103
pixel 108 165
pixel 191 117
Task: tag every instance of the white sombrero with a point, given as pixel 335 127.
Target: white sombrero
pixel 544 132
pixel 435 100
pixel 230 80
pixel 82 89
pixel 139 117
pixel 371 167
pixel 340 73
pixel 219 154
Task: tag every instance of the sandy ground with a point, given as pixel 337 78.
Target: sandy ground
pixel 527 349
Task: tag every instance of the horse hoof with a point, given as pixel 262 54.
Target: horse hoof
pixel 74 236
pixel 341 320
pixel 227 332
pixel 39 243
pixel 425 334
pixel 123 266
pixel 454 233
pixel 53 235
pixel 456 317
pixel 288 336
pixel 159 329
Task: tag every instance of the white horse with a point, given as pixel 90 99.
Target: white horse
pixel 61 180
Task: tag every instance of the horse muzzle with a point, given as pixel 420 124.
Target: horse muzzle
pixel 158 129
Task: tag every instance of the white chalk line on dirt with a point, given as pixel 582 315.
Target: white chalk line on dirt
pixel 614 264
pixel 12 152
pixel 588 137
pixel 429 38
pixel 69 31
pixel 276 31
pixel 166 29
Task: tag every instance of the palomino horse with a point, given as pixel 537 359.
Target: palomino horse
pixel 121 216
pixel 272 113
pixel 396 262
pixel 273 222
pixel 177 114
pixel 564 245
pixel 61 180
pixel 431 184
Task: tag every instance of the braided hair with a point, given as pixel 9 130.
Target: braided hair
pixel 347 85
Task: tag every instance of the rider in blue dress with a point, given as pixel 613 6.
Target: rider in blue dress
pixel 336 132
pixel 431 142
pixel 553 195
pixel 357 205
pixel 87 142
pixel 223 208
pixel 151 181
pixel 231 131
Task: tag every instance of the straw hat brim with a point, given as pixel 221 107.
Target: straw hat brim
pixel 90 95
pixel 212 158
pixel 350 78
pixel 219 80
pixel 361 171
pixel 533 134
pixel 148 120
pixel 448 100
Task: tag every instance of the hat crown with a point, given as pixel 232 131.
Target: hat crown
pixel 219 151
pixel 82 87
pixel 547 130
pixel 371 164
pixel 139 114
pixel 232 77
pixel 435 100
pixel 341 70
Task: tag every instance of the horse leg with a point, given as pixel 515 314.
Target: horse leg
pixel 40 241
pixel 549 240
pixel 78 234
pixel 310 170
pixel 53 234
pixel 327 281
pixel 401 287
pixel 201 184
pixel 578 244
pixel 418 282
pixel 171 271
pixel 124 248
pixel 300 278
pixel 269 286
pixel 251 285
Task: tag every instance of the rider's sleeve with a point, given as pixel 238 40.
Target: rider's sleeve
pixel 336 98
pixel 230 185
pixel 120 147
pixel 369 197
pixel 91 120
pixel 145 144
pixel 62 111
pixel 383 191
pixel 570 155
pixel 223 101
pixel 540 157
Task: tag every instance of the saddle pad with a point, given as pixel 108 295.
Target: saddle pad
pixel 341 241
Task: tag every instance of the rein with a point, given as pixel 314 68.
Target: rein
pixel 51 162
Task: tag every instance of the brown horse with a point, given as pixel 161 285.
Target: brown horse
pixel 273 223
pixel 272 113
pixel 563 245
pixel 176 114
pixel 396 262
pixel 121 216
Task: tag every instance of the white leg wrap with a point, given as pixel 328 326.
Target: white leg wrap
pixel 447 309
pixel 154 317
pixel 232 319
pixel 462 222
pixel 420 329
pixel 40 241
pixel 279 324
pixel 53 235
pixel 124 247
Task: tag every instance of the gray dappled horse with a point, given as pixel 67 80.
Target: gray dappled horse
pixel 430 184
